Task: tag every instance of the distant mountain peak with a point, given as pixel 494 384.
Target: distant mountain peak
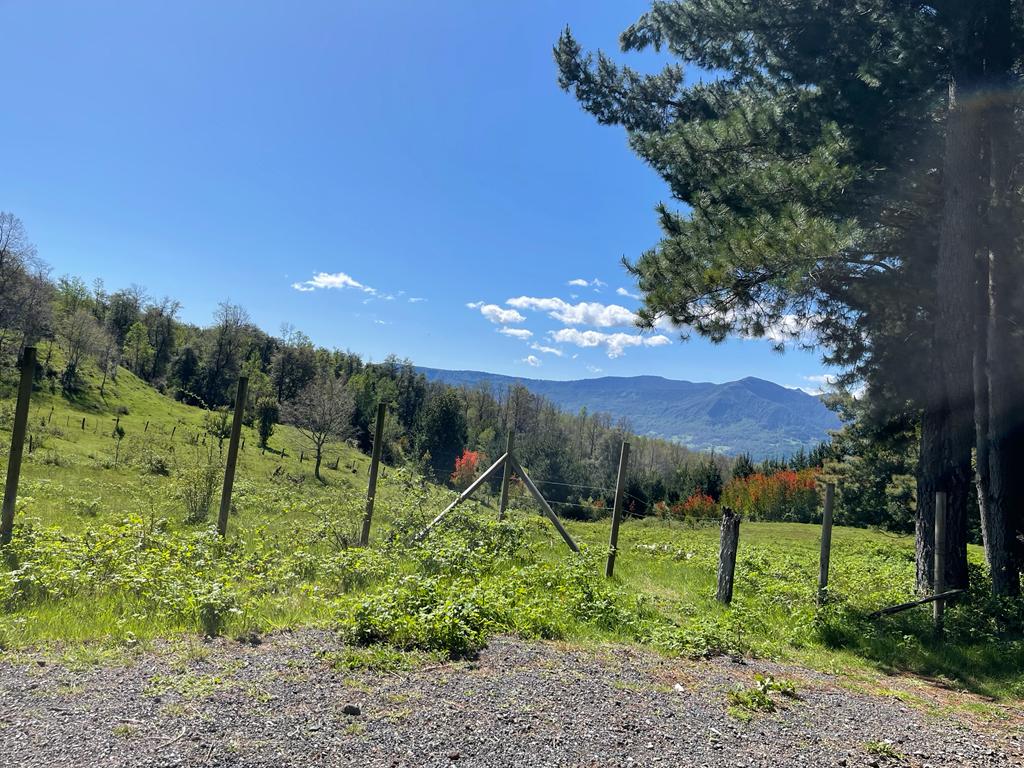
pixel 750 415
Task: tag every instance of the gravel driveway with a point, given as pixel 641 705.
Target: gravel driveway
pixel 280 703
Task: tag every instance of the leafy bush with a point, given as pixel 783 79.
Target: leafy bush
pixel 196 487
pixel 214 606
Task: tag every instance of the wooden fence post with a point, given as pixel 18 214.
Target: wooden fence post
pixel 229 469
pixel 507 476
pixel 28 371
pixel 939 577
pixel 83 423
pixel 826 542
pixel 727 554
pixel 620 489
pixel 371 488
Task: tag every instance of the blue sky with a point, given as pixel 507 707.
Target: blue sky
pixel 418 157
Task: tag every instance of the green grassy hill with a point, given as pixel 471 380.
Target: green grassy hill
pixel 75 474
pixel 103 553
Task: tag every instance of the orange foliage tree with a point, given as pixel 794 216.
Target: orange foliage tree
pixel 787 495
pixel 465 469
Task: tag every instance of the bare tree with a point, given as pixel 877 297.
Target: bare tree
pixel 108 355
pixel 321 411
pixel 79 336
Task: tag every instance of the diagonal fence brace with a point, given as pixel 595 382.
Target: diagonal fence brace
pixel 463 496
pixel 545 507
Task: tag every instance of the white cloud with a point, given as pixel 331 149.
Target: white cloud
pixel 614 343
pixel 332 280
pixel 415 299
pixel 596 284
pixel 533 361
pixel 625 292
pixel 496 314
pixel 822 383
pixel 584 313
pixel 546 350
pixel 594 369
pixel 516 333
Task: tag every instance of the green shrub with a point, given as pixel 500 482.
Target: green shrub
pixel 214 607
pixel 196 487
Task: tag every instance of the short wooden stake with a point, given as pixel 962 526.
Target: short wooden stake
pixel 229 469
pixel 727 554
pixel 173 430
pixel 146 428
pixel 506 478
pixel 48 418
pixel 826 542
pixel 83 424
pixel 939 577
pixel 371 488
pixel 620 489
pixel 28 370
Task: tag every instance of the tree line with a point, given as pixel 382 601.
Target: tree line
pixel 849 177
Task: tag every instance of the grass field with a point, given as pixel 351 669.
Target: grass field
pixel 102 552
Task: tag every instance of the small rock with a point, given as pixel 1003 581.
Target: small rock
pixel 453 755
pixel 352 709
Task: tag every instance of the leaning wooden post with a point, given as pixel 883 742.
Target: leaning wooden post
pixel 506 478
pixel 620 489
pixel 727 554
pixel 545 507
pixel 939 577
pixel 28 370
pixel 229 469
pixel 826 542
pixel 371 489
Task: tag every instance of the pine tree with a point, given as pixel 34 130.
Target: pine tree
pixel 829 181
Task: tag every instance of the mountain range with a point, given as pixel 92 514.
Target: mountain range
pixel 747 416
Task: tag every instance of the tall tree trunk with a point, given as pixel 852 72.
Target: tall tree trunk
pixel 1004 443
pixel 981 406
pixel 955 278
pixel 929 471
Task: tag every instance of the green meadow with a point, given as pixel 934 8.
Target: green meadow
pixel 109 554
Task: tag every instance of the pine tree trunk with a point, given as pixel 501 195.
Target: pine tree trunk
pixel 981 406
pixel 1005 438
pixel 955 294
pixel 929 470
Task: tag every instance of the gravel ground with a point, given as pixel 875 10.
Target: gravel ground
pixel 280 703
